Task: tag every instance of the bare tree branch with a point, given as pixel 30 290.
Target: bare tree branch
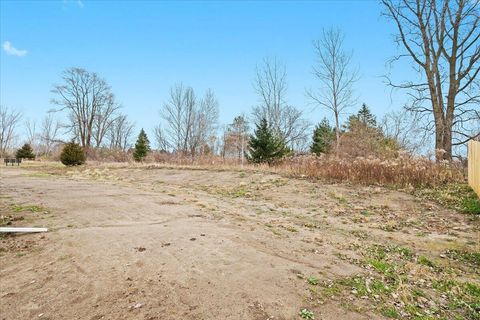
pixel 286 120
pixel 189 122
pixel 48 133
pixel 90 103
pixel 335 76
pixel 9 119
pixel 441 37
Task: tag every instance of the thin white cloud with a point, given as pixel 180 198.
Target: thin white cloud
pixel 79 3
pixel 11 50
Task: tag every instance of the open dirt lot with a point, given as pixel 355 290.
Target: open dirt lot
pixel 170 243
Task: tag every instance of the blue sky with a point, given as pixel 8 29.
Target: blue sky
pixel 142 48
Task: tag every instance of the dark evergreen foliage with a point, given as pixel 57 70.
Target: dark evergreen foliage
pixel 142 146
pixel 73 154
pixel 323 137
pixel 364 117
pixel 264 146
pixel 25 152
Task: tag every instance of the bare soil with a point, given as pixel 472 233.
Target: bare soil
pixel 131 242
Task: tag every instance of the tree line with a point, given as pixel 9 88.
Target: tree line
pixel 440 37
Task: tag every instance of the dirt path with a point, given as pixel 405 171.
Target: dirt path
pixel 184 244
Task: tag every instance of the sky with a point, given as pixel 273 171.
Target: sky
pixel 142 48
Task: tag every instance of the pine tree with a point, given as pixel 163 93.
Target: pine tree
pixel 25 152
pixel 265 146
pixel 323 137
pixel 72 154
pixel 364 118
pixel 142 146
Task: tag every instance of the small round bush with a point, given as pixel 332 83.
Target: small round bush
pixel 72 154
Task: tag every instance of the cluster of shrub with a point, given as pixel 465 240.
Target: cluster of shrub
pixel 72 154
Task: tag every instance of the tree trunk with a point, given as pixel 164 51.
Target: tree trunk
pixel 337 133
pixel 447 144
pixel 439 132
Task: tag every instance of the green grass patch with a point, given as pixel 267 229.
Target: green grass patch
pixel 471 205
pixel 425 261
pixel 381 266
pixel 313 281
pixel 307 314
pixel 379 287
pixel 405 252
pixel 473 290
pixel 25 208
pixel 450 288
pixel 377 252
pixel 443 285
pixel 364 286
pixel 390 312
pixel 472 258
pixel 418 293
pixel 332 290
pixel 459 196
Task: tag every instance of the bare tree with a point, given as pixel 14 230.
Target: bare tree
pixel 335 75
pixel 271 87
pixel 237 137
pixel 105 119
pixel 442 39
pixel 161 139
pixel 406 129
pixel 32 136
pixel 90 103
pixel 189 103
pixel 204 123
pixel 190 122
pixel 177 117
pixel 120 132
pixel 9 120
pixel 49 133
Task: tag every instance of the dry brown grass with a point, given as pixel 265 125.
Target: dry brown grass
pixel 401 171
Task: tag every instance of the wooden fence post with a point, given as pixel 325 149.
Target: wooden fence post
pixel 474 165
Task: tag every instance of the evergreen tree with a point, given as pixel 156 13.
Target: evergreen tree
pixel 364 138
pixel 366 117
pixel 363 118
pixel 265 146
pixel 142 146
pixel 25 152
pixel 72 154
pixel 323 137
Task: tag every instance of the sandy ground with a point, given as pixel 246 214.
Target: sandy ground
pixel 159 243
